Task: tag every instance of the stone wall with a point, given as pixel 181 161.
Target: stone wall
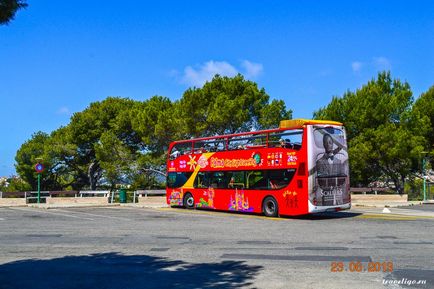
pixel 12 202
pixel 371 198
pixel 78 201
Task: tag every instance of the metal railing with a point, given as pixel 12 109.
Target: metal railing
pixel 13 194
pixel 371 190
pixel 145 193
pixel 94 193
pixel 30 196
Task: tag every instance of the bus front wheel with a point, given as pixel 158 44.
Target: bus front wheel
pixel 188 201
pixel 269 207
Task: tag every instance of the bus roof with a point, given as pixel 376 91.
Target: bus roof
pixel 299 123
pixel 284 124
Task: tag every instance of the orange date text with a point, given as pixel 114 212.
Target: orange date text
pixel 357 266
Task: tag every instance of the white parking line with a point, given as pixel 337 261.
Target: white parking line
pixel 44 211
pixel 95 215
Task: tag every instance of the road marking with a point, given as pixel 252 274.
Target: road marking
pixel 402 215
pixel 316 258
pixel 44 211
pixel 1 219
pixel 159 249
pixel 95 215
pixel 390 217
pixel 400 212
pixel 218 213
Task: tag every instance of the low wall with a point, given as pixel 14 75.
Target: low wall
pixel 78 201
pixel 396 198
pixel 142 193
pixel 12 202
pixel 155 200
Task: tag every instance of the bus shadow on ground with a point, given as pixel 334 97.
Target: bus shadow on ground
pixel 114 270
pixel 316 216
pixel 327 216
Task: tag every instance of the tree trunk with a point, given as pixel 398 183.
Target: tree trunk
pixel 399 184
pixel 94 174
pixel 403 185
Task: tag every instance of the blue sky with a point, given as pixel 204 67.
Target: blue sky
pixel 59 56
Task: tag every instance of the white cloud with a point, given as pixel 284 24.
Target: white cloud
pixel 63 110
pixel 205 72
pixel 377 63
pixel 356 66
pixel 198 75
pixel 173 73
pixel 325 72
pixel 251 69
pixel 382 63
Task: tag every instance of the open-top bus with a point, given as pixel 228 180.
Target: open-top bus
pixel 299 168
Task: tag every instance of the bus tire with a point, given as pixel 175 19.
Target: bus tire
pixel 188 201
pixel 270 207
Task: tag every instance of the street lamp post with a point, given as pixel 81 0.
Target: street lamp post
pixel 39 188
pixel 424 179
pixel 39 169
pixel 423 174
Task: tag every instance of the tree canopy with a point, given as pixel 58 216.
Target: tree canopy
pixel 424 108
pixel 228 105
pixel 123 141
pixel 385 136
pixel 8 9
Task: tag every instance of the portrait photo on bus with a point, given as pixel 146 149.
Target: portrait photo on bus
pixel 330 166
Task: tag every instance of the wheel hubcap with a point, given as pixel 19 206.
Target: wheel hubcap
pixel 190 201
pixel 270 208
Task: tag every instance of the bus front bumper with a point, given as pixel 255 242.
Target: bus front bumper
pixel 321 209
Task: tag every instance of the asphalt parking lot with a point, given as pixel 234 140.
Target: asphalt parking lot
pixel 130 247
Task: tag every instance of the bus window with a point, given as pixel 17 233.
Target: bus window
pixel 202 180
pixel 212 145
pixel 218 180
pixel 180 149
pixel 199 147
pixel 287 139
pixel 279 179
pixel 238 143
pixel 257 141
pixel 257 180
pixel 235 179
pixel 248 142
pixel 176 180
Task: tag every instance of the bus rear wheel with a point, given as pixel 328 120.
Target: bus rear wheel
pixel 188 201
pixel 269 207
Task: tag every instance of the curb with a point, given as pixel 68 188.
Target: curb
pixel 44 206
pixel 141 205
pixel 387 205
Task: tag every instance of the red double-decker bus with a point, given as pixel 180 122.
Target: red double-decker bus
pixel 299 168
